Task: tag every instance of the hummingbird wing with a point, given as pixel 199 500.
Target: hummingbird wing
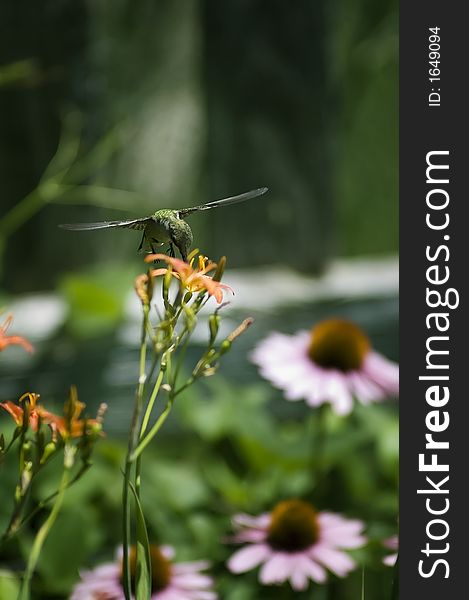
pixel 132 224
pixel 183 212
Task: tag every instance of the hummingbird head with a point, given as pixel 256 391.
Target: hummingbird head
pixel 181 236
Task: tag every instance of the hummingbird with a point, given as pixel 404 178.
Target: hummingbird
pixel 166 224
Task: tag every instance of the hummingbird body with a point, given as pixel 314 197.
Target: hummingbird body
pixel 166 225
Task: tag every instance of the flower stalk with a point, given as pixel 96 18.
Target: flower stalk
pixel 69 453
pixel 41 435
pixel 133 438
pixel 168 339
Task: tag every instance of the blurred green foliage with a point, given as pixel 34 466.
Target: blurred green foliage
pixel 364 61
pixel 230 453
pixel 9 585
pixel 96 299
pixel 185 102
pixel 119 108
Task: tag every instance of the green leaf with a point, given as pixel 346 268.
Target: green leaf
pixel 143 566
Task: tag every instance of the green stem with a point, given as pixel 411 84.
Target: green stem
pixel 44 503
pixel 133 440
pixel 151 403
pixel 41 536
pixel 8 446
pixel 126 578
pixel 209 356
pixel 154 430
pixel 187 333
pixel 19 502
pixel 185 385
pixel 14 522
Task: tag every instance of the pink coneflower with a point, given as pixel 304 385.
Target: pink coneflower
pixel 170 581
pixel 295 542
pixel 392 544
pixel 332 363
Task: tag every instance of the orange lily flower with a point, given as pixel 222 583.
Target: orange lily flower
pixel 71 427
pixel 194 280
pixel 12 340
pixel 36 411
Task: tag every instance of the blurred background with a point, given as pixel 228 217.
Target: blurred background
pixel 112 110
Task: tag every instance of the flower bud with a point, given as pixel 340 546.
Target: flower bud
pixel 209 370
pixel 150 287
pixel 26 476
pixel 240 329
pixel 101 412
pixel 169 309
pixel 166 285
pixel 27 446
pixel 190 317
pixel 141 288
pixel 224 347
pixel 214 325
pixel 220 269
pixel 49 449
pixel 93 428
pixel 69 456
pixel 17 494
pixel 204 363
pixel 226 344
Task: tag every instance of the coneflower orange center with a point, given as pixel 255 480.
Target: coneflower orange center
pixel 338 344
pixel 293 526
pixel 160 569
